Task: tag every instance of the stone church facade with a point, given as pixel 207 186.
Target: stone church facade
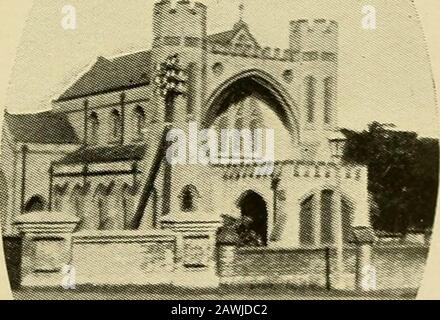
pixel 95 155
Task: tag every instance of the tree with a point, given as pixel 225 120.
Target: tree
pixel 403 175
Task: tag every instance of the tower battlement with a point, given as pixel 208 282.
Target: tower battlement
pixel 315 25
pixel 181 24
pixel 182 5
pixel 269 53
pixel 318 35
pixel 255 52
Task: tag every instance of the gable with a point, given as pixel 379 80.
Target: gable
pixel 244 38
pixel 238 36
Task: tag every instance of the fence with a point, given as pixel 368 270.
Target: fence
pixel 392 266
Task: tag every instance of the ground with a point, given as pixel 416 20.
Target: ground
pixel 269 292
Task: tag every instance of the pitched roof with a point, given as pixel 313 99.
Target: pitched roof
pixel 131 70
pixel 44 127
pixel 223 37
pixel 105 154
pixel 107 75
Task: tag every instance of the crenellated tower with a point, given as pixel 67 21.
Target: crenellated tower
pixel 181 28
pixel 318 35
pixel 316 42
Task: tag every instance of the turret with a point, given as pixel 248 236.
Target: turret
pixel 181 29
pixel 182 25
pixel 318 35
pixel 316 43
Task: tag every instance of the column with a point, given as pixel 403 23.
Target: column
pixel 46 247
pixel 196 261
pixel 279 218
pixel 122 99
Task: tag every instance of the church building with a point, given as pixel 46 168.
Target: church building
pixel 98 154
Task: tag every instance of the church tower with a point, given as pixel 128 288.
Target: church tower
pixel 316 42
pixel 181 29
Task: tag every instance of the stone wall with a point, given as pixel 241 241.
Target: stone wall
pixel 181 253
pixel 301 267
pixel 399 266
pixel 53 255
pixel 395 266
pixel 123 258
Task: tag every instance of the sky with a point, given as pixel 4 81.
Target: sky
pixel 384 74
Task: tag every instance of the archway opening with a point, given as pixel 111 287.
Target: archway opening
pixel 254 219
pixel 34 204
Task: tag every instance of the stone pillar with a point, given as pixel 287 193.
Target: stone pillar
pixel 196 263
pixel 338 275
pixel 225 260
pixel 46 247
pixel 364 238
pixel 316 219
pixel 227 241
pixel 275 229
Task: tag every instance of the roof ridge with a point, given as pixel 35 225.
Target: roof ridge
pixel 125 54
pixel 29 113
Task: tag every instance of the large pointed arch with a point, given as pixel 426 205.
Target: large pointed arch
pixel 263 83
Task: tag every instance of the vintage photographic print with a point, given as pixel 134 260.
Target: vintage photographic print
pixel 219 150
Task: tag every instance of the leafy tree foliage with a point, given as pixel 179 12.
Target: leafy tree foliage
pixel 403 175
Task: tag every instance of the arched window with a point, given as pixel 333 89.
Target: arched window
pixel 310 98
pixel 239 124
pixel 328 99
pixel 223 122
pixel 139 122
pixel 347 209
pixel 116 124
pixel 93 128
pixel 240 110
pixel 327 231
pixel 188 198
pixel 222 126
pixel 35 203
pixel 306 222
pixel 256 119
